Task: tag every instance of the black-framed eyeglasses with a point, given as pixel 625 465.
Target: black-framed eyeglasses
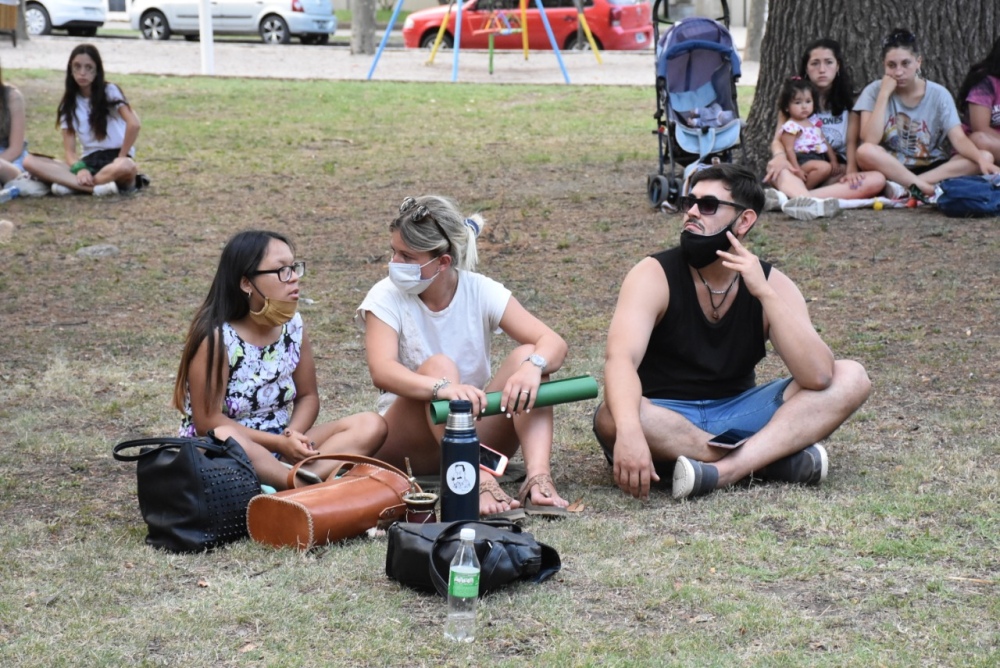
pixel 706 205
pixel 297 268
pixel 421 214
pixel 899 38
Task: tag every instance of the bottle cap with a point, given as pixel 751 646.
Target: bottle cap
pixel 467 534
pixel 460 406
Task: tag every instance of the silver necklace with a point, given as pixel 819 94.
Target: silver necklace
pixel 724 293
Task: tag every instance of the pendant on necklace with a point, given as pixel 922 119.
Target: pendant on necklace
pixel 715 315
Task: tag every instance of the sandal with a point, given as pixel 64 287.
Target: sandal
pixel 918 194
pixel 488 484
pixel 545 485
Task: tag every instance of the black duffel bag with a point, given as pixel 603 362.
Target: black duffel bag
pixel 419 555
pixel 193 492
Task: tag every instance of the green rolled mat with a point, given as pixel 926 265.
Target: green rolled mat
pixel 551 393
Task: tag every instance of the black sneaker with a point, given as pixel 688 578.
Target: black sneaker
pixel 807 467
pixel 693 478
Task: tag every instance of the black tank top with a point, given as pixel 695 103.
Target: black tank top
pixel 690 357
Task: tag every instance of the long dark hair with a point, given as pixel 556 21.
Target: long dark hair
pixel 841 94
pixel 225 302
pixel 977 75
pixel 4 110
pixel 100 105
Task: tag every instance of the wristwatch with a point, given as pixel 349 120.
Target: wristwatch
pixel 537 360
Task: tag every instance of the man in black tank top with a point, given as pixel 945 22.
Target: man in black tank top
pixel 689 328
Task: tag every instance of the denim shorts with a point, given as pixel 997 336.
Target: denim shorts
pixel 749 411
pixel 19 160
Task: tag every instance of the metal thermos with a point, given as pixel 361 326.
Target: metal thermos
pixel 460 464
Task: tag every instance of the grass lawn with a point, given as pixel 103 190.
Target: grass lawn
pixel 893 561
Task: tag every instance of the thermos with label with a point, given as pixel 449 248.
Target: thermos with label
pixel 460 465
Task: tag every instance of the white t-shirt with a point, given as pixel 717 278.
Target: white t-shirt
pixel 916 136
pixel 462 331
pixel 116 124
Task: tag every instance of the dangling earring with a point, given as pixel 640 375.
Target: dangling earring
pixel 249 295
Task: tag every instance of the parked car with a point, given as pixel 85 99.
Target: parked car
pixel 615 24
pixel 80 18
pixel 276 21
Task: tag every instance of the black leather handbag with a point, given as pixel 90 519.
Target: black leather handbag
pixel 193 492
pixel 419 555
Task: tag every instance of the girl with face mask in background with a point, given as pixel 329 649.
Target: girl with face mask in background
pixel 428 328
pixel 247 370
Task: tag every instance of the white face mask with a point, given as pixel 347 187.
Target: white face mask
pixel 407 278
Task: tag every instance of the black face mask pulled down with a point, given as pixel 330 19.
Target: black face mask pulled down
pixel 699 250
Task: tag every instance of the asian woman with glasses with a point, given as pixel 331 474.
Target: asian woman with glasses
pixel 428 331
pixel 910 127
pixel 247 369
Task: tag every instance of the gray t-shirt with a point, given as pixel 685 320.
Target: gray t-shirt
pixel 835 130
pixel 916 136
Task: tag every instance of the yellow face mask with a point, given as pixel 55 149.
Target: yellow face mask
pixel 275 312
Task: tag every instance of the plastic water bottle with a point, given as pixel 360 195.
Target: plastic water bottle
pixel 9 193
pixel 463 590
pixel 460 464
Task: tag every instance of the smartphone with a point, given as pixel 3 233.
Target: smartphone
pixel 492 461
pixel 730 439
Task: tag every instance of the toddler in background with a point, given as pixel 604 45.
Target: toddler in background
pixel 811 158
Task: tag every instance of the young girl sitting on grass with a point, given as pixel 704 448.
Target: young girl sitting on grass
pixel 810 157
pixel 97 113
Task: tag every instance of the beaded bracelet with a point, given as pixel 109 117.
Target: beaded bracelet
pixel 78 166
pixel 438 386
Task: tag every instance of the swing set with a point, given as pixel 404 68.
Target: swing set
pixel 498 22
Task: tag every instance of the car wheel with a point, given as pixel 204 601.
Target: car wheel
pixel 36 19
pixel 154 25
pixel 274 30
pixel 427 41
pixel 582 45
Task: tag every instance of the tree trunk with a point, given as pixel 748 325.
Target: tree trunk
pixel 22 27
pixel 755 29
pixel 952 36
pixel 362 27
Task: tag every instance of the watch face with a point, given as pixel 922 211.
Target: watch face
pixel 537 360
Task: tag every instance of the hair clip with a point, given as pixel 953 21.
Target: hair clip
pixel 408 203
pixel 473 224
pixel 796 78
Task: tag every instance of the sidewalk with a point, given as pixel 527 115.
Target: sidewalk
pixel 294 61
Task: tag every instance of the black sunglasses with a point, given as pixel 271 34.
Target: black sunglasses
pixel 706 205
pixel 420 214
pixel 285 273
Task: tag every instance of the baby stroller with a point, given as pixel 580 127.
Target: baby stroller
pixel 696 111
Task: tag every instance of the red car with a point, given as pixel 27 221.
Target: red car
pixel 615 24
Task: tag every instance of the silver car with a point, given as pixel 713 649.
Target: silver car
pixel 276 21
pixel 80 18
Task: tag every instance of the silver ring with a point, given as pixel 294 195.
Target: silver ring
pixel 525 392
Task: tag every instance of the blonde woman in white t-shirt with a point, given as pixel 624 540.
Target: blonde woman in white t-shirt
pixel 428 328
pixel 97 115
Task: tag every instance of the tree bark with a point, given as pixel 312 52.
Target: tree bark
pixel 952 36
pixel 755 29
pixel 362 27
pixel 22 27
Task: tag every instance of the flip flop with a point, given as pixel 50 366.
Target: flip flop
pixel 546 486
pixel 488 484
pixel 307 476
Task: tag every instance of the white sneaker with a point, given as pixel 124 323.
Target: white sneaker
pixel 808 208
pixel 59 190
pixel 774 199
pixel 894 191
pixel 106 189
pixel 29 186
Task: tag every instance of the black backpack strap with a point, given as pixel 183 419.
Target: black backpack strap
pixel 440 583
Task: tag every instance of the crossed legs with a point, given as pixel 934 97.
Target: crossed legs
pixel 804 417
pixel 122 171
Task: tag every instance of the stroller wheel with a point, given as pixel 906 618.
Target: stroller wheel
pixel 657 189
pixel 673 192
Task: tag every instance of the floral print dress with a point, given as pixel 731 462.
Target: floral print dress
pixel 261 389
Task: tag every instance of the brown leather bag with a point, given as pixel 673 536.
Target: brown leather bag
pixel 369 492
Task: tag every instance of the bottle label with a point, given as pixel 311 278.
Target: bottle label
pixel 464 584
pixel 461 478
